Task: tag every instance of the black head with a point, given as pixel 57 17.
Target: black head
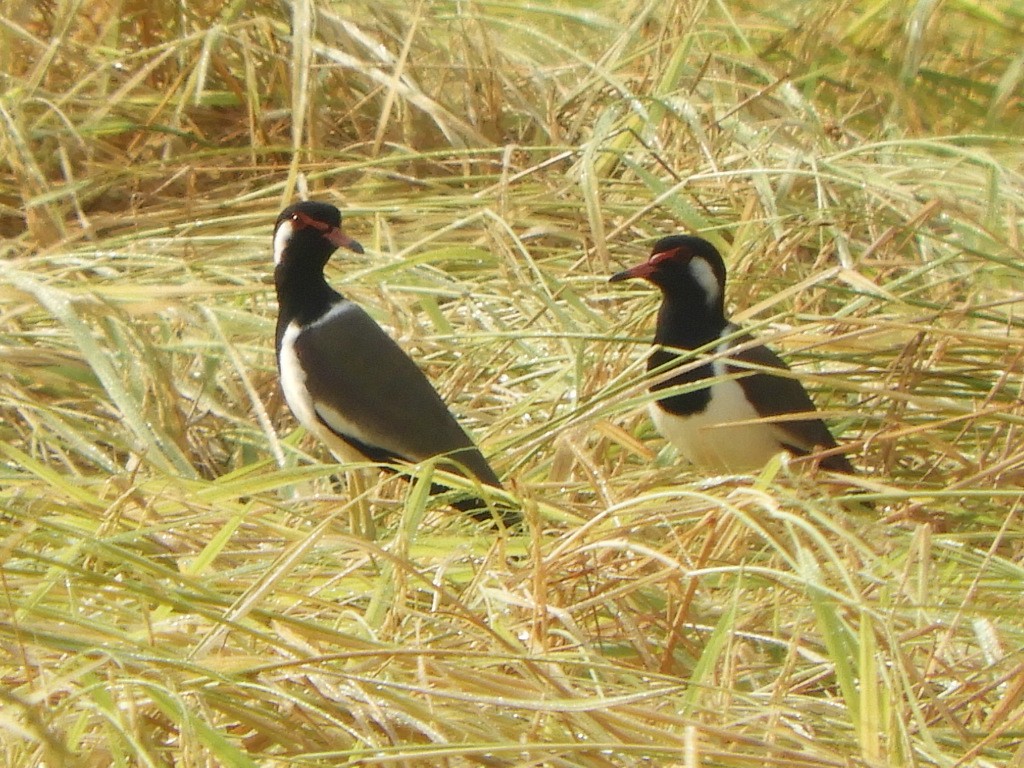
pixel 310 230
pixel 685 267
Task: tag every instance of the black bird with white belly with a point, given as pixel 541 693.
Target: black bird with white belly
pixel 744 415
pixel 343 377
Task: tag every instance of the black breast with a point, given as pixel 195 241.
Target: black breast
pixel 687 403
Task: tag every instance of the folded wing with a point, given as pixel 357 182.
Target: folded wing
pixel 349 360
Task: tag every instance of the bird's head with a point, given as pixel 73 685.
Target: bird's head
pixel 684 267
pixel 310 230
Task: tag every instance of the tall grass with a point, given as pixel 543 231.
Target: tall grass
pixel 181 581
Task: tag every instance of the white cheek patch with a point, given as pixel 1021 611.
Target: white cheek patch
pixel 284 233
pixel 706 279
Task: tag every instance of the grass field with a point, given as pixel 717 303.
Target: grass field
pixel 188 579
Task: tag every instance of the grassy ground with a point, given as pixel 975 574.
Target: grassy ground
pixel 182 584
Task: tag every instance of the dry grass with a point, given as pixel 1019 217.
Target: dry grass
pixel 180 579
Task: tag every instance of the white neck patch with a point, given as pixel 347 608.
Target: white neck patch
pixel 281 237
pixel 706 279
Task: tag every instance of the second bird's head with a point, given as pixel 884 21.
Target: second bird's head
pixel 684 267
pixel 310 231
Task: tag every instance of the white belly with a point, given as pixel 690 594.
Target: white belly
pixel 707 440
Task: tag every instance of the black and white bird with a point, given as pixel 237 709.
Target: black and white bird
pixel 344 378
pixel 744 415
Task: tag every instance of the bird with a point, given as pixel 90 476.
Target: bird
pixel 775 412
pixel 345 379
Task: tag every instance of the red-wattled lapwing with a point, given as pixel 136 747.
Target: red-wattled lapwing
pixel 691 275
pixel 344 378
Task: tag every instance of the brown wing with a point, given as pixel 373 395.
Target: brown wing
pixel 386 406
pixel 781 395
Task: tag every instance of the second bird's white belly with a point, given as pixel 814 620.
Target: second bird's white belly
pixel 707 440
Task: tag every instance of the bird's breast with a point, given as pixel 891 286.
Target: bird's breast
pixel 712 438
pixel 293 377
pixel 320 419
